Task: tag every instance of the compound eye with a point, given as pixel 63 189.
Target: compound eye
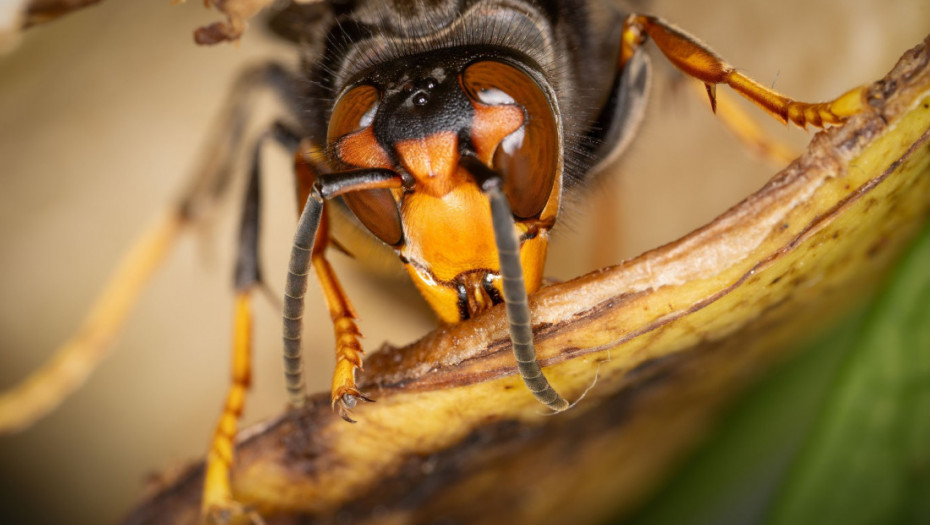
pixel 354 111
pixel 529 157
pixel 376 209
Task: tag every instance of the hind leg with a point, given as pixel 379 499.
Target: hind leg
pixel 77 357
pixel 697 60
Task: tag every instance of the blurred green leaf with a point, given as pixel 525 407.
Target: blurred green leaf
pixel 868 457
pixel 839 435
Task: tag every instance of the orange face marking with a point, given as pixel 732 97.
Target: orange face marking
pixel 443 229
pixel 490 125
pixel 362 149
pixel 451 233
pixel 433 162
pixel 449 236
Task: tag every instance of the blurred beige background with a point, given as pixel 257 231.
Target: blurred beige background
pixel 101 116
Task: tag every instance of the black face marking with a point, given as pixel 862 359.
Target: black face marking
pixel 422 94
pixel 416 104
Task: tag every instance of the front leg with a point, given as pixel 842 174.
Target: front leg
pixel 348 348
pixel 345 394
